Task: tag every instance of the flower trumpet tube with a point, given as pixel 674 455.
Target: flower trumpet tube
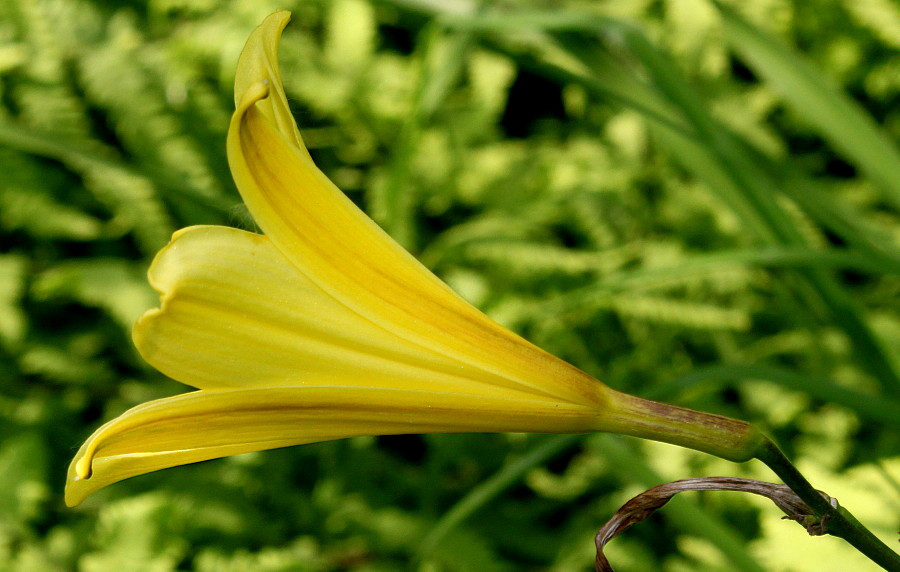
pixel 324 328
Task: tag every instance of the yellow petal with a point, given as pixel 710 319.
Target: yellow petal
pixel 259 64
pixel 236 313
pixel 329 240
pixel 209 424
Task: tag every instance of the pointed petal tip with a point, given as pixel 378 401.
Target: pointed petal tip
pixel 254 92
pixel 73 495
pixel 77 477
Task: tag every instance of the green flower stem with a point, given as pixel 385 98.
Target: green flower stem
pixel 837 520
pixel 739 441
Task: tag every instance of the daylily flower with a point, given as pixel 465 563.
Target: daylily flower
pixel 325 328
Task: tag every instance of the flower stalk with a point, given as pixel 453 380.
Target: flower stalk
pixel 835 519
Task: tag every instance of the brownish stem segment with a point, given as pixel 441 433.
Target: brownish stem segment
pixel 723 437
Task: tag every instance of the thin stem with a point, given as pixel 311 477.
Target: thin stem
pixel 839 520
pixel 739 441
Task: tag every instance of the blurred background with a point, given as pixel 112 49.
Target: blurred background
pixel 692 202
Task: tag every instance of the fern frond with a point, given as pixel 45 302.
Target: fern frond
pixel 131 198
pixel 135 202
pixel 680 313
pixel 532 260
pixel 62 361
pixel 27 203
pixel 123 77
pixel 116 286
pixel 13 268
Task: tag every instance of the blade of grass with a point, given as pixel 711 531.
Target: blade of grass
pixel 698 265
pixel 872 407
pixel 715 155
pixel 829 110
pixel 772 257
pixel 491 488
pixel 612 80
pixel 720 157
pixel 718 145
pixel 830 210
pixel 629 466
pixel 535 50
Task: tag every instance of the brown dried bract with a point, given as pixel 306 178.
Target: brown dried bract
pixel 648 502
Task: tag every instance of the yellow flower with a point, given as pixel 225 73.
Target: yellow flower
pixel 325 328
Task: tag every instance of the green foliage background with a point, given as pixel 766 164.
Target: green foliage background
pixel 691 204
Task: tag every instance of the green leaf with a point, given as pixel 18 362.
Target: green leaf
pixel 829 110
